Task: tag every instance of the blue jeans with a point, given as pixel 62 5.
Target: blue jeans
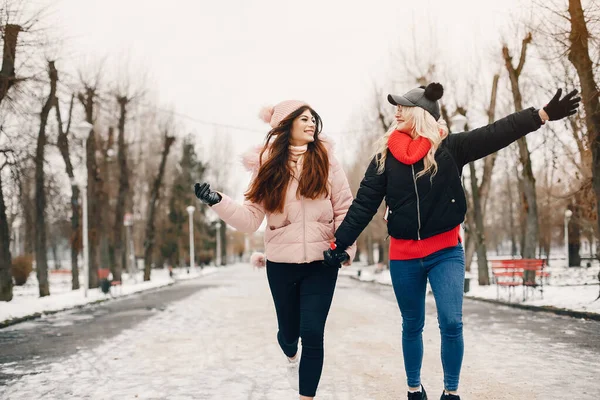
pixel 446 272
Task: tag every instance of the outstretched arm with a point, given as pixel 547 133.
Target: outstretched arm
pixel 478 143
pixel 245 217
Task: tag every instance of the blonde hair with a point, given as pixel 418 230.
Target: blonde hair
pixel 422 124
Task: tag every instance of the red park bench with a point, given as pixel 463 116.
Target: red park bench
pixel 103 273
pixel 527 273
pixel 60 271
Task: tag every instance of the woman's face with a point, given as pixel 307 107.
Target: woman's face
pixel 303 129
pixel 402 125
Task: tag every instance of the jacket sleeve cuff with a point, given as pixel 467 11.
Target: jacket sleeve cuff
pixel 221 208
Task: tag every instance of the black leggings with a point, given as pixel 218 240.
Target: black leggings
pixel 302 294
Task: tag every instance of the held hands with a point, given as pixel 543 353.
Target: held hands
pixel 560 108
pixel 335 257
pixel 206 195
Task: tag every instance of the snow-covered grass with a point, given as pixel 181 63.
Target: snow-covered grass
pixel 574 289
pixel 26 301
pixel 576 298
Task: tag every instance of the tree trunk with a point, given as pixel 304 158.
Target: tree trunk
pixel 384 251
pixel 579 56
pixel 469 232
pixel 511 217
pixel 574 229
pixel 63 147
pixel 469 250
pixel 489 161
pixel 7 80
pixel 6 292
pixel 7 73
pixel 94 189
pixel 529 204
pixel 123 191
pixel 27 207
pixel 41 258
pixel 154 196
pixel 482 264
pixel 480 196
pixel 223 231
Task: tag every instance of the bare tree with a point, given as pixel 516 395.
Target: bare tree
pixel 7 80
pixel 63 147
pixel 479 193
pixel 7 73
pixel 41 259
pixel 154 197
pixel 118 255
pixel 6 293
pixel 529 197
pixel 25 195
pixel 579 55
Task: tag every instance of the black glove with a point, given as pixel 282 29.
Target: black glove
pixel 206 195
pixel 559 109
pixel 335 257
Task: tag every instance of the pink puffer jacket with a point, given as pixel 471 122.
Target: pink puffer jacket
pixel 306 227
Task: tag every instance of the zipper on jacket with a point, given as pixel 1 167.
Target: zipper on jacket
pixel 418 205
pixel 303 225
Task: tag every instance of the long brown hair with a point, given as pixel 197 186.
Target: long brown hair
pixel 270 185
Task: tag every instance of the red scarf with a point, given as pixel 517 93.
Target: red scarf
pixel 406 149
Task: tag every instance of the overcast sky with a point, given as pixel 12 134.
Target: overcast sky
pixel 220 61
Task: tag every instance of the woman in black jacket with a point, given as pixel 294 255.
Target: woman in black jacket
pixel 417 168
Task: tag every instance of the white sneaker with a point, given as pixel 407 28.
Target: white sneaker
pixel 293 366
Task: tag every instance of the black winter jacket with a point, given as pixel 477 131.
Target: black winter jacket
pixel 424 207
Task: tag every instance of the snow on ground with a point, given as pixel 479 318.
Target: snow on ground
pixel 220 344
pixel 26 300
pixel 573 289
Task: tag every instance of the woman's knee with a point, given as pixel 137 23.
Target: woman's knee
pixel 312 337
pixel 451 327
pixel 412 327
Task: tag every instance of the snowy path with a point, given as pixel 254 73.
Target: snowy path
pixel 220 344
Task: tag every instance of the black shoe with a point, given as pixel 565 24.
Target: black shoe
pixel 422 395
pixel 449 397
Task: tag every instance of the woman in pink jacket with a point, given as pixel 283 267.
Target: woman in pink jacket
pixel 301 188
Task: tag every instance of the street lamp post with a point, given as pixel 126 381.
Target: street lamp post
pixel 82 131
pixel 568 215
pixel 190 210
pixel 128 223
pixel 218 255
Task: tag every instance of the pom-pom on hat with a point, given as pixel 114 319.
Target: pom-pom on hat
pixel 273 115
pixel 425 97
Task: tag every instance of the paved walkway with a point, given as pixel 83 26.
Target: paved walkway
pixel 219 343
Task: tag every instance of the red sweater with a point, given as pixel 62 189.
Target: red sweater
pixel 407 249
pixel 409 151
